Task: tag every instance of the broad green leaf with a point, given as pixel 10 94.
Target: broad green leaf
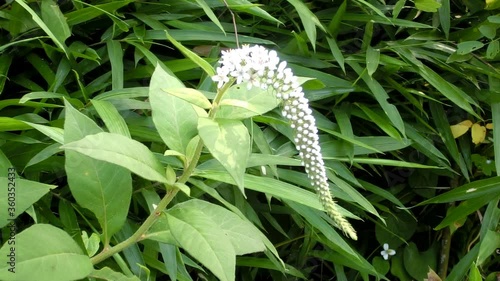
pixel 18 195
pixel 229 143
pixel 192 56
pixel 198 226
pixel 175 119
pixel 193 96
pixel 427 5
pixel 121 151
pixel 468 47
pixel 240 103
pixel 108 274
pixel 417 263
pixel 111 117
pixel 101 187
pixel 475 189
pixel 50 251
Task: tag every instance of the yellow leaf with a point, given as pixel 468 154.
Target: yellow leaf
pixel 460 128
pixel 478 133
pixel 432 276
pixel 489 126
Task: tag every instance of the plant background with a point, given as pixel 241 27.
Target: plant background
pixel 389 79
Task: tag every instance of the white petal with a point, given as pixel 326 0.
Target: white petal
pixel 386 246
pixel 385 255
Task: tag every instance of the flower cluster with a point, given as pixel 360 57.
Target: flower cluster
pixel 262 68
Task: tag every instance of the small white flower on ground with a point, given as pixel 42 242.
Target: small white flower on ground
pixel 387 252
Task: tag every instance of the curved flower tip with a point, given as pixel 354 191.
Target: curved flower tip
pixel 262 68
pixel 387 252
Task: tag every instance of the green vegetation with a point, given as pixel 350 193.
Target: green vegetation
pixel 122 160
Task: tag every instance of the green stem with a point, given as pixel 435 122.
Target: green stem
pixel 107 252
pixel 172 191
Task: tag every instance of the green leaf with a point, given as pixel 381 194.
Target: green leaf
pixel 108 274
pixel 211 234
pixel 192 96
pixel 493 49
pixel 427 5
pixel 372 60
pixel 381 96
pixel 115 53
pixel 88 13
pixel 274 188
pixel 417 263
pixel 192 56
pixel 41 95
pixel 241 103
pixel 111 117
pixel 229 143
pixel 450 91
pixel 210 14
pixel 489 243
pixel 462 211
pixel 479 188
pixel 101 187
pixel 445 16
pixel 121 151
pixel 57 28
pixel 468 47
pixel 175 119
pixel 336 52
pixel 18 194
pixel 57 134
pixel 309 20
pixel 49 250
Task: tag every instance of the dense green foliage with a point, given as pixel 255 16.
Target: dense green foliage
pixel 104 106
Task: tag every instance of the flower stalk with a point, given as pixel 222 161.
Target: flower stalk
pixel 259 67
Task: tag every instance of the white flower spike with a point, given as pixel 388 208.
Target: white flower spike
pixel 262 68
pixel 387 252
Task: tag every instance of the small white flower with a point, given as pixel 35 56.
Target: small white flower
pixel 387 252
